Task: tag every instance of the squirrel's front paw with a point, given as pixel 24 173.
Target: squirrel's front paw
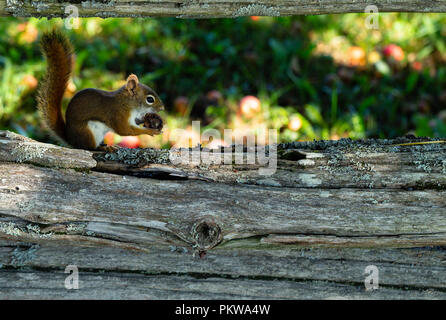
pixel 153 132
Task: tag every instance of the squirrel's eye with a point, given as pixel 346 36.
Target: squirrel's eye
pixel 150 99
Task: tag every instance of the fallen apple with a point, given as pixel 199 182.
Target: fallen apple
pixel 130 142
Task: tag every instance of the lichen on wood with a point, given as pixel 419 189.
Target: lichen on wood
pixel 207 8
pixel 307 231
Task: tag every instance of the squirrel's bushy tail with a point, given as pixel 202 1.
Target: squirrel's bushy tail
pixel 58 51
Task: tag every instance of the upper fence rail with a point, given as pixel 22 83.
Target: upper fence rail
pixel 207 8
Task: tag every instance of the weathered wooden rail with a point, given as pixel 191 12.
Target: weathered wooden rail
pixel 207 8
pixel 137 226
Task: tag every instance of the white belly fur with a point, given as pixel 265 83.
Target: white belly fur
pixel 98 130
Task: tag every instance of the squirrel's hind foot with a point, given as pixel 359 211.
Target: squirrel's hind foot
pixel 107 148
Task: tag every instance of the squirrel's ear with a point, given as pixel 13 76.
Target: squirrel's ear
pixel 132 83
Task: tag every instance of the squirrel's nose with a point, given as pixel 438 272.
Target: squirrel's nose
pixel 162 107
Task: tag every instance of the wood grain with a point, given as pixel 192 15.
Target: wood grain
pixel 208 8
pixel 138 226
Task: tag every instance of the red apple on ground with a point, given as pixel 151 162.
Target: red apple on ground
pixel 356 56
pixel 394 51
pixel 295 124
pixel 249 105
pixel 130 142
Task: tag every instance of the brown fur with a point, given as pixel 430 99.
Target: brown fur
pixel 58 52
pixel 111 108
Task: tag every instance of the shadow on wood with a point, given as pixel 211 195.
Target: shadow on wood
pixel 138 226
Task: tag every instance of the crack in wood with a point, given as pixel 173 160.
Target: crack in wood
pixel 375 203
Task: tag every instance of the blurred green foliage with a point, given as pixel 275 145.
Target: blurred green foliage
pixel 329 74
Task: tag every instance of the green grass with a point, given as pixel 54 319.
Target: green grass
pixel 297 67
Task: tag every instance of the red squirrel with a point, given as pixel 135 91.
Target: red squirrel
pixel 91 113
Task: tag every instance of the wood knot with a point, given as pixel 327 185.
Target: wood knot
pixel 206 234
